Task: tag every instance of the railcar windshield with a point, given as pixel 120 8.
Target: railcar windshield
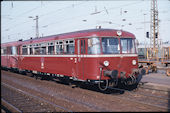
pixel 110 46
pixel 128 45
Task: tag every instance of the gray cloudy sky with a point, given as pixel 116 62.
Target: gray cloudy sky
pixel 66 16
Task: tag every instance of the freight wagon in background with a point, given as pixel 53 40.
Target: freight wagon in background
pixel 103 57
pixel 163 51
pixel 161 62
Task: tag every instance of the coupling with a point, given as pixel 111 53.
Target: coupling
pixel 112 74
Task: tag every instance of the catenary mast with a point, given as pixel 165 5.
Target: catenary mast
pixel 154 33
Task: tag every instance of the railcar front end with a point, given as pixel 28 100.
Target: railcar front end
pixel 113 60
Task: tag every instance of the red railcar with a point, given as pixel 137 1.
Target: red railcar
pixel 101 56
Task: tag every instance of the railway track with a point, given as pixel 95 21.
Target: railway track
pixel 152 97
pixel 16 100
pixel 142 85
pixel 140 97
pixel 57 95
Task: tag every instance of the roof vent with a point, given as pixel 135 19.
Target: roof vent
pixel 98 27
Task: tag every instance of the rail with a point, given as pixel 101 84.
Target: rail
pixel 21 96
pixel 155 101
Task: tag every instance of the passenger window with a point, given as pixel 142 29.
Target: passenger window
pixel 14 50
pixel 9 50
pixel 24 51
pixel 5 50
pixel 69 47
pixel 50 50
pixel 30 50
pixel 2 51
pixel 42 50
pixel 37 50
pixel 59 47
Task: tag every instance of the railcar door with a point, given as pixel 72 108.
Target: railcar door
pixel 81 48
pixel 8 56
pixel 14 59
pixel 19 56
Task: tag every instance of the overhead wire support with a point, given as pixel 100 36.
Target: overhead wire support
pixel 154 31
pixel 37 28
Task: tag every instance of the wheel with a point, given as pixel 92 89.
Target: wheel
pixel 168 72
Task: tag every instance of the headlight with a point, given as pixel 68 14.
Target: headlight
pixel 134 62
pixel 106 63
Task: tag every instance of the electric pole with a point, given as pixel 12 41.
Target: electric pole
pixel 154 33
pixel 37 28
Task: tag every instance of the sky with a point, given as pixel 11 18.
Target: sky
pixel 57 17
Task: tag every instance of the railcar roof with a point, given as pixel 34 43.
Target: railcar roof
pixel 81 33
pixel 14 43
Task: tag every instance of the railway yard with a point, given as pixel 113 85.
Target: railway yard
pixel 21 93
pixel 105 60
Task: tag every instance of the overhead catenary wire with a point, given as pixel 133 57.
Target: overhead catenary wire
pixel 42 15
pixel 23 13
pixel 65 8
pixel 78 17
pixel 19 24
pixel 70 18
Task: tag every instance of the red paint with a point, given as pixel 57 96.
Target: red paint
pixel 80 67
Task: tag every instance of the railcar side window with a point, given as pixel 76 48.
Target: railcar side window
pixel 9 50
pixel 50 50
pixel 94 46
pixel 110 46
pixel 24 51
pixel 5 50
pixel 37 50
pixel 42 50
pixel 69 47
pixel 59 47
pixel 128 45
pixel 14 50
pixel 2 51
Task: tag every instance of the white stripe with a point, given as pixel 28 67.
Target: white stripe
pixel 86 56
pixel 115 55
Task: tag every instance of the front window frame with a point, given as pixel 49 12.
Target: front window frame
pixel 134 46
pixel 118 45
